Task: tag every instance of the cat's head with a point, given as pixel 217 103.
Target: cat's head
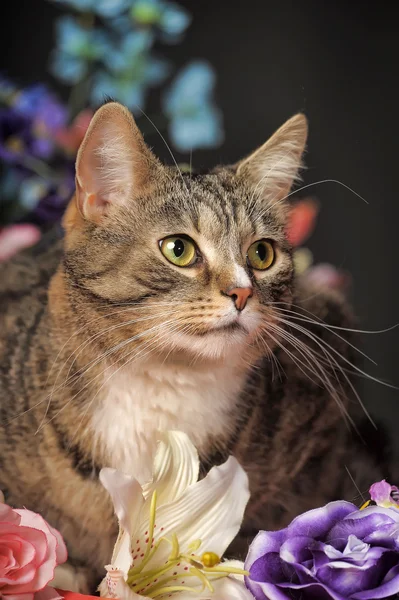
pixel 179 262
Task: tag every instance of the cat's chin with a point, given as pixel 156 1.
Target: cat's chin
pixel 217 342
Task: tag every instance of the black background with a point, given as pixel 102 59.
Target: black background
pixel 337 62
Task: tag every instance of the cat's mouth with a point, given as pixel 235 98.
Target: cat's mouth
pixel 232 327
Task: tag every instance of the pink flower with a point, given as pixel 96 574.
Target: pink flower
pixel 29 552
pixel 71 137
pixel 384 494
pixel 15 238
pixel 302 221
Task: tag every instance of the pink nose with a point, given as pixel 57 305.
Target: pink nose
pixel 240 296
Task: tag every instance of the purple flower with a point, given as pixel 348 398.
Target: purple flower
pixel 332 553
pixel 51 205
pixel 38 104
pixel 17 138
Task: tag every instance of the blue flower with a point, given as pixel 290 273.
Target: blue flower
pixel 174 22
pixel 195 122
pixel 129 51
pixel 110 8
pixel 169 17
pixel 31 191
pixel 128 92
pixel 81 5
pixel 103 8
pixel 77 47
pixel 131 70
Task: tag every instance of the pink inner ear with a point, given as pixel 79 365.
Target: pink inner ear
pixel 92 205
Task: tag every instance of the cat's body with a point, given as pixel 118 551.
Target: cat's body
pixel 94 367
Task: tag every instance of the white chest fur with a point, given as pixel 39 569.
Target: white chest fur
pixel 136 404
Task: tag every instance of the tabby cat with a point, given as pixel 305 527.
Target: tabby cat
pixel 170 302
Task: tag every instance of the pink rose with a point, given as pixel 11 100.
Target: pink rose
pixel 29 552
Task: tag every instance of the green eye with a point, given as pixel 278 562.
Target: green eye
pixel 180 251
pixel 261 255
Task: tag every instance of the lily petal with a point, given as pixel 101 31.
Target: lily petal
pixel 211 511
pixel 128 501
pixel 126 495
pixel 176 466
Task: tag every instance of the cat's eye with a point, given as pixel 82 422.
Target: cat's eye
pixel 261 255
pixel 179 250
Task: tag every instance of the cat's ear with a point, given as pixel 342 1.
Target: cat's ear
pixel 273 168
pixel 113 163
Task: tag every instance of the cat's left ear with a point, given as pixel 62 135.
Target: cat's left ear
pixel 273 168
pixel 113 164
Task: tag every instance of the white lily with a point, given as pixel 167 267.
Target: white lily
pixel 174 530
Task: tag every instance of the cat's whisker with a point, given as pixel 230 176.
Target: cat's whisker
pixel 126 308
pixel 357 369
pixel 93 363
pixel 347 370
pixel 135 355
pixel 322 376
pixel 309 185
pixel 272 357
pixel 323 345
pixel 87 385
pixel 354 483
pixel 167 146
pixel 93 338
pixel 298 317
pixel 337 327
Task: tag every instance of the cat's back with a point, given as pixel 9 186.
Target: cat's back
pixel 24 283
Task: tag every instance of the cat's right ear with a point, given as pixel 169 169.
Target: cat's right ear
pixel 113 163
pixel 273 168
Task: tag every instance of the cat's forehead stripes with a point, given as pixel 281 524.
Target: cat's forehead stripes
pixel 221 208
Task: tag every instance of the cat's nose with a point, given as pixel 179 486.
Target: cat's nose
pixel 240 296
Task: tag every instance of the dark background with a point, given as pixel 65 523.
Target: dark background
pixel 337 62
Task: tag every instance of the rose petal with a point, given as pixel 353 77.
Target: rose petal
pixel 269 569
pixel 314 590
pixel 55 550
pixel 384 590
pixel 25 579
pixel 24 555
pixel 8 515
pixel 386 537
pixel 264 543
pixel 266 591
pixel 360 524
pixel 347 579
pixel 296 549
pixel 316 523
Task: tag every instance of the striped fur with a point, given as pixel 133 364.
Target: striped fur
pixel 103 342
